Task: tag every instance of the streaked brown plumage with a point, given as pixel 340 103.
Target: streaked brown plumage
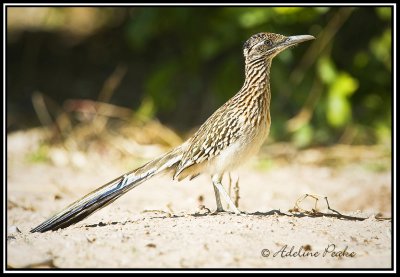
pixel 231 135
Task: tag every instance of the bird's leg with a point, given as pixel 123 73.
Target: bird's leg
pixel 219 189
pixel 218 199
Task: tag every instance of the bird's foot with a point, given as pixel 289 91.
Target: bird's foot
pixel 221 211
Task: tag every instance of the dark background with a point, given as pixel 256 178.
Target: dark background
pixel 180 64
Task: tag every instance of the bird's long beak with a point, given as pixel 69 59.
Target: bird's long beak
pixel 292 40
pixel 288 42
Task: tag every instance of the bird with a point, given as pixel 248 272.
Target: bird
pixel 230 136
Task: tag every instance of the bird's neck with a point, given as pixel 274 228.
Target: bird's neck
pixel 257 77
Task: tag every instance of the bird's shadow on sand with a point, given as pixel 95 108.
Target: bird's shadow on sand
pixel 311 214
pixel 275 213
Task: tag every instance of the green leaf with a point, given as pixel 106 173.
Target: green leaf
pixel 344 85
pixel 339 107
pixel 382 48
pixel 147 109
pixel 254 17
pixel 326 70
pixel 303 136
pixel 287 10
pixel 384 13
pixel 339 111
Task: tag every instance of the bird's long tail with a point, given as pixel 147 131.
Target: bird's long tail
pixel 108 193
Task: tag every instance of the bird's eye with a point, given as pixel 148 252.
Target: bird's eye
pixel 268 42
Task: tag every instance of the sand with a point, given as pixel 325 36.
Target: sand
pixel 170 224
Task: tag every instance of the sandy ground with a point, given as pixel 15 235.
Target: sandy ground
pixel 163 224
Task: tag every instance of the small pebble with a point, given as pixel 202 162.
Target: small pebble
pixel 151 245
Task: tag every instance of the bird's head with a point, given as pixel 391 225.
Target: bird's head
pixel 268 45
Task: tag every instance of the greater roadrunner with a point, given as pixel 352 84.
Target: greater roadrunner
pixel 230 136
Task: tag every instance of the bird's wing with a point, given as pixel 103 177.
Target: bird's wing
pixel 216 134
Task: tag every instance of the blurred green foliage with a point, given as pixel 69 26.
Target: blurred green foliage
pixel 184 63
pixel 41 154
